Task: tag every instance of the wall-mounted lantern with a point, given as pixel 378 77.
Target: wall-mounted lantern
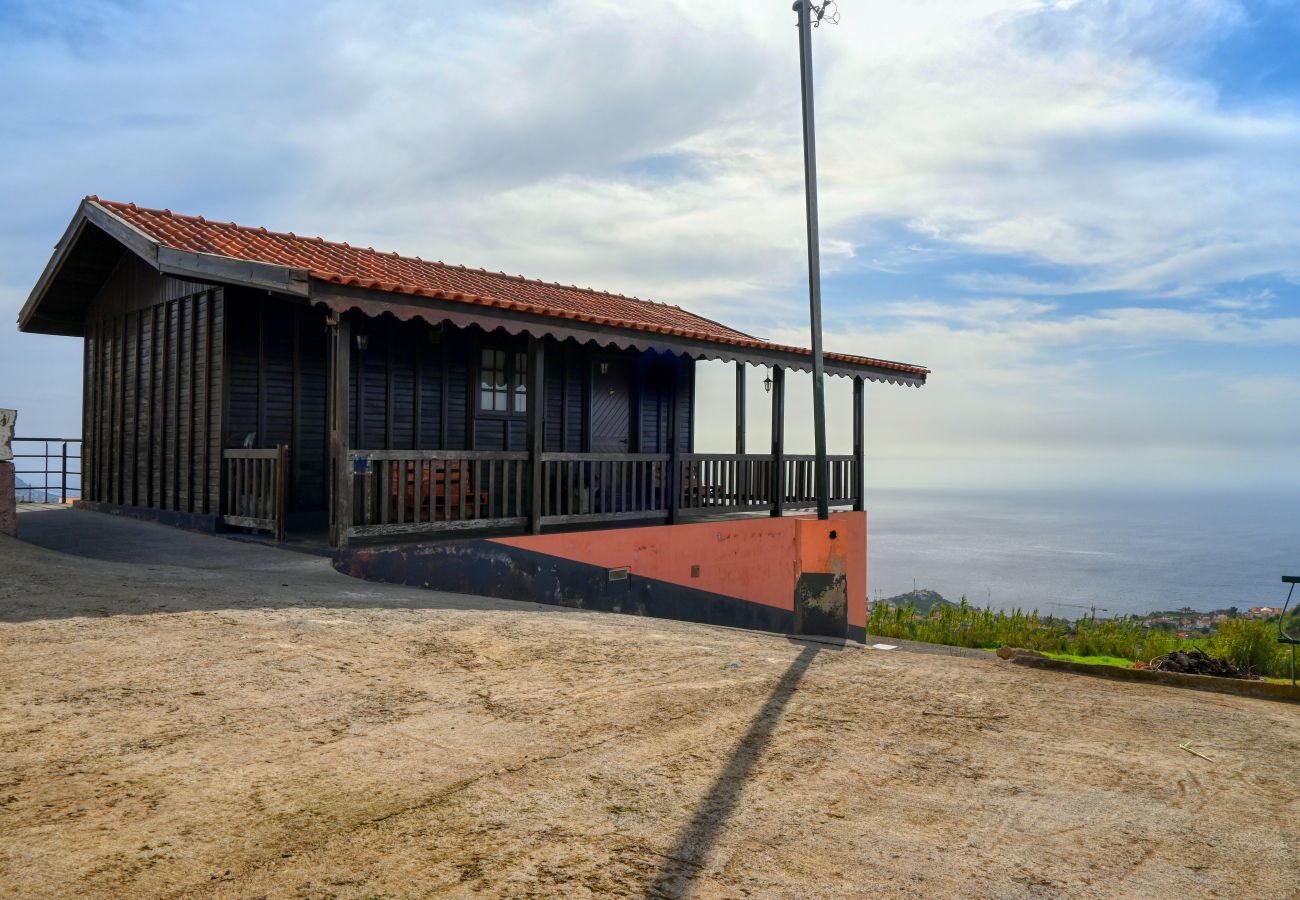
pixel 604 368
pixel 363 341
pixel 767 384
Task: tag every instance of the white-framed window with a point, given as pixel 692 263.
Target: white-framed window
pixel 503 382
pixel 493 395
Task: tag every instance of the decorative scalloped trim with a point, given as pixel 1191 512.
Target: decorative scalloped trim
pixel 405 313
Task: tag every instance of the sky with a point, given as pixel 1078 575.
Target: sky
pixel 1083 216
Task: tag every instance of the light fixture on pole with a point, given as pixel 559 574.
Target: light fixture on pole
pixel 811 16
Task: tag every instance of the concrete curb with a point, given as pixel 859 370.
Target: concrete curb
pixel 1261 690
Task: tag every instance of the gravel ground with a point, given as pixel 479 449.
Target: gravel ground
pixel 188 716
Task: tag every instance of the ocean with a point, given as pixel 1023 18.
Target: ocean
pixel 1126 552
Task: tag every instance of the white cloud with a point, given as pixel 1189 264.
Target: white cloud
pixel 653 149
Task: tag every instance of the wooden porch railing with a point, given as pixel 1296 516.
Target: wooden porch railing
pixel 800 487
pixel 603 487
pixel 256 485
pixel 411 491
pixel 724 482
pixel 408 491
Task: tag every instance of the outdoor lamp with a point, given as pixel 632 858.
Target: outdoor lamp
pixel 767 384
pixel 363 341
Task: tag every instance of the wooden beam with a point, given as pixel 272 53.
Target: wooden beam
pixel 859 446
pixel 190 455
pixel 261 374
pixel 222 353
pixel 389 365
pixel 340 429
pixel 740 408
pixel 566 356
pixel 358 433
pixel 417 385
pixel 473 372
pixel 135 414
pixel 119 408
pixel 586 361
pixel 209 319
pixel 90 410
pixel 536 430
pixel 638 405
pixel 778 441
pixel 156 424
pixel 175 413
pixel 674 479
pixel 294 453
pixel 207 267
pixel 87 416
pixel 443 399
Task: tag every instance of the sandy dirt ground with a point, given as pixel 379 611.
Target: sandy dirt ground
pixel 208 718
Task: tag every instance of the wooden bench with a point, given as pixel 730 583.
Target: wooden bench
pixel 450 486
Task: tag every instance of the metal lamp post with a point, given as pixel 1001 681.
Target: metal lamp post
pixel 811 16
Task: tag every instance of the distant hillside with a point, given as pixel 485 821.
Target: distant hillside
pixel 923 600
pixel 25 493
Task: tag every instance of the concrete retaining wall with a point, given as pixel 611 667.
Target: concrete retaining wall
pixel 1263 690
pixel 8 503
pixel 8 492
pixel 792 575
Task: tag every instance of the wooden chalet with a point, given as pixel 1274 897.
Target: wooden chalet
pixel 241 376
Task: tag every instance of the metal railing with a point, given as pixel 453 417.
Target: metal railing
pixel 56 462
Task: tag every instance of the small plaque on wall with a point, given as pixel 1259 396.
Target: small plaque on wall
pixel 7 419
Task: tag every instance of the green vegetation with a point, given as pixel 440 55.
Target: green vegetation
pixel 1251 643
pixel 1115 661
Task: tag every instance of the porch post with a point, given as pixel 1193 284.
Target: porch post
pixel 778 441
pixel 340 430
pixel 740 408
pixel 674 485
pixel 536 432
pixel 859 447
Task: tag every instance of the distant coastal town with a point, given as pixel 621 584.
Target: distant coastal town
pixel 1247 638
pixel 1187 623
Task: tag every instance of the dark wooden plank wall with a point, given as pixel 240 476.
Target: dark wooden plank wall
pixel 413 387
pixel 420 390
pixel 277 377
pixel 422 405
pixel 654 375
pixel 152 409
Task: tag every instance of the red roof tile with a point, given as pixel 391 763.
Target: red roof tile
pixel 366 267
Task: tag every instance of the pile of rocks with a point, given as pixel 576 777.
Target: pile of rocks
pixel 1198 662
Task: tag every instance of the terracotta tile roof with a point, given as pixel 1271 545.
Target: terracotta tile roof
pixel 369 268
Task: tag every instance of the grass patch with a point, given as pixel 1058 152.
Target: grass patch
pixel 1115 661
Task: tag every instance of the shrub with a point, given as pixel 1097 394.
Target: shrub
pixel 1251 644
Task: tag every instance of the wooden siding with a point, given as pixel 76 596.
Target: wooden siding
pixel 176 371
pixel 277 388
pixel 152 411
pixel 420 389
pixel 656 376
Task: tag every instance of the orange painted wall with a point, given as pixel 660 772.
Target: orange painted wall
pixel 758 559
pixel 844 554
